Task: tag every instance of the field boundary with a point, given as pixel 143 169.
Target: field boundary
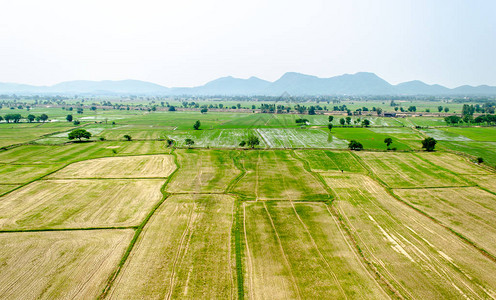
pixel 238 226
pixel 461 236
pixel 138 231
pixel 369 266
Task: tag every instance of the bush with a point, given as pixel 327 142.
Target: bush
pixel 480 160
pixel 242 144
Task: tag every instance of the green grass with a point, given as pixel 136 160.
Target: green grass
pixel 486 150
pixel 481 134
pixel 369 138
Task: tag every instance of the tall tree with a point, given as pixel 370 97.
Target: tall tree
pixel 354 145
pixel 79 134
pixel 388 141
pixel 429 144
pixel 197 125
pixel 252 141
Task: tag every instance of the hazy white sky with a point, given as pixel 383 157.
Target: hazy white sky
pixel 189 42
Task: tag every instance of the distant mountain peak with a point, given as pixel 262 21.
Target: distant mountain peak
pixel 290 83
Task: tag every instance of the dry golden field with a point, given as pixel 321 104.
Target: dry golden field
pixel 80 203
pixel 59 265
pixel 183 252
pixel 234 224
pixel 147 166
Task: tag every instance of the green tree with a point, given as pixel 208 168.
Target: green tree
pixel 31 118
pixel 388 141
pixel 429 144
pixel 79 134
pixel 242 144
pixel 329 126
pixel 127 137
pixel 342 121
pixel 69 118
pixel 348 120
pixel 204 110
pixel 330 119
pixel 379 111
pixel 252 141
pixel 366 123
pixel 189 142
pixel 197 125
pixel 43 117
pixel 453 119
pixel 76 122
pixel 12 117
pixel 446 109
pixel 440 108
pixel 170 142
pixel 354 145
pixel 480 160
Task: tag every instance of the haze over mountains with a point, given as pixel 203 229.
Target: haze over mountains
pixel 295 84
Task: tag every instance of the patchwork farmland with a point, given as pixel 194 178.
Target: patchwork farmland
pixel 299 216
pixel 200 223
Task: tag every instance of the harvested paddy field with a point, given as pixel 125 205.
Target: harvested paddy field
pixel 59 265
pixel 454 163
pixel 43 154
pixel 277 175
pixel 469 211
pixel 183 252
pixel 417 257
pixel 325 160
pixel 19 174
pixel 79 203
pixel 487 182
pixel 203 171
pixel 404 170
pixel 299 251
pixel 146 166
pixel 4 188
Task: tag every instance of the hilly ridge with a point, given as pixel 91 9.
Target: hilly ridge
pixel 297 84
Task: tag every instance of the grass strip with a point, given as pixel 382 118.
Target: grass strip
pixel 237 229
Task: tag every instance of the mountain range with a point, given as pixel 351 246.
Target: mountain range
pixel 292 83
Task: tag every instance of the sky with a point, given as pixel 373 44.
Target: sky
pixel 190 42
